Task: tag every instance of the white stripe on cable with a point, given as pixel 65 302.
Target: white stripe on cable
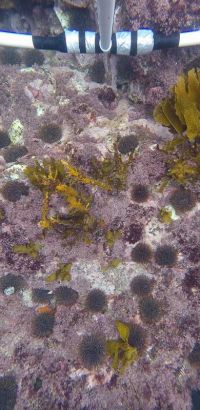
pixel 90 42
pixel 72 41
pixel 191 38
pixel 145 41
pixel 16 40
pixel 123 40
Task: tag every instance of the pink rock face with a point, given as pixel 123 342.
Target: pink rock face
pixel 165 15
pixel 46 364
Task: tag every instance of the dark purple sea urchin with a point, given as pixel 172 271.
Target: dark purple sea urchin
pixel 194 356
pixel 141 285
pixel 4 139
pixel 150 310
pixel 65 295
pixel 141 253
pixel 140 193
pixel 8 392
pixel 96 301
pixel 182 200
pixel 12 153
pixel 42 324
pixel 50 133
pixel 137 338
pixel 13 190
pixel 10 280
pixel 92 350
pixel 127 144
pixel 166 255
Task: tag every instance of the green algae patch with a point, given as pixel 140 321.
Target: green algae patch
pixel 31 249
pixel 112 264
pixel 165 215
pixel 62 273
pixel 111 237
pixel 121 352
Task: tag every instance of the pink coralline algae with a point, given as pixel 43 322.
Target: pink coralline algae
pixel 82 246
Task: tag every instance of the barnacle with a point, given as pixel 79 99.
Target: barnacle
pixel 31 249
pixel 122 353
pixel 62 273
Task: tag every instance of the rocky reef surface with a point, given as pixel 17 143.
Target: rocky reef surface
pixel 78 109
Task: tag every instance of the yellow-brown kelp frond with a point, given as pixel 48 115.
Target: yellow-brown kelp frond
pixel 80 177
pixel 47 175
pixel 183 170
pixel 165 114
pixel 60 177
pixel 181 111
pixel 112 171
pixel 119 350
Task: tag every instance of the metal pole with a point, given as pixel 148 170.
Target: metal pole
pixel 105 18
